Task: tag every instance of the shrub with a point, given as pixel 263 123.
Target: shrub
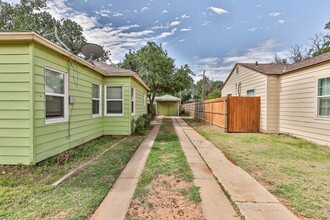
pixel 140 124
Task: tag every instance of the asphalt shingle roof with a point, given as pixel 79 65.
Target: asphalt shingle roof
pixel 286 68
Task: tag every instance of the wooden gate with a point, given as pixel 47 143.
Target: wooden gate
pixel 233 114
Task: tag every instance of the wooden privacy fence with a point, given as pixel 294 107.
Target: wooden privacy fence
pixel 233 114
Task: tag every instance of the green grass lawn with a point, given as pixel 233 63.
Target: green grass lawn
pixel 25 192
pixel 166 158
pixel 293 169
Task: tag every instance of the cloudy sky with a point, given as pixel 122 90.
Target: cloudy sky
pixel 209 35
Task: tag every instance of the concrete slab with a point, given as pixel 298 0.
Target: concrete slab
pixel 265 211
pixel 116 203
pixel 215 204
pixel 254 201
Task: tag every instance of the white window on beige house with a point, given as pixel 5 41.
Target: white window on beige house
pixel 250 92
pixel 323 96
pixel 56 91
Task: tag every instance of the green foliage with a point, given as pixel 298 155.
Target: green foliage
pixel 32 15
pixel 154 66
pixel 158 71
pixel 141 124
pixel 212 89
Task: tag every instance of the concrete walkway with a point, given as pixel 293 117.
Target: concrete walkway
pixel 215 204
pixel 252 199
pixel 116 203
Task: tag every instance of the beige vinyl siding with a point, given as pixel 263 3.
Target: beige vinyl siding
pixel 51 139
pixel 16 103
pixel 249 79
pixel 140 91
pixel 119 125
pixel 272 103
pixel 298 105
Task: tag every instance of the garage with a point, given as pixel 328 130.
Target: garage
pixel 167 105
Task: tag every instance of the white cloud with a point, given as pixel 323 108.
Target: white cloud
pixel 281 21
pixel 117 40
pixel 230 27
pixel 175 23
pixel 263 53
pixel 164 11
pixel 205 23
pixel 253 29
pixel 182 40
pixel 117 14
pixel 218 11
pixel 274 14
pixel 258 6
pixel 166 34
pixel 185 29
pixel 144 9
pixel 185 16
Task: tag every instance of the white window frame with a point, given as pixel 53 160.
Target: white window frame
pixel 254 93
pixel 98 99
pixel 106 100
pixel 133 101
pixel 144 99
pixel 65 96
pixel 319 97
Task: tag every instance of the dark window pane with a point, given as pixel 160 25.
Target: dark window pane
pixel 54 107
pixel 114 92
pixel 96 107
pixel 114 107
pixel 324 106
pixel 54 82
pixel 132 106
pixel 96 91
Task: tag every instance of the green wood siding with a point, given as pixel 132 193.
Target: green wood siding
pixel 51 139
pixel 167 108
pixel 15 104
pixel 25 137
pixel 118 125
pixel 140 91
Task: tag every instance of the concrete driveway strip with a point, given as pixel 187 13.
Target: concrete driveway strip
pixel 215 204
pixel 116 203
pixel 253 200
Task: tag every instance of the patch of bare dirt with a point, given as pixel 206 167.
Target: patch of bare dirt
pixel 165 201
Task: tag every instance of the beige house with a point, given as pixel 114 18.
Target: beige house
pixel 295 98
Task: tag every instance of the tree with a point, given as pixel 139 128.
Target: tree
pixel 183 82
pixel 212 89
pixel 279 60
pixel 154 66
pixel 31 15
pixel 298 53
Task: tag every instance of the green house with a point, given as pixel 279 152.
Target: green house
pixel 52 100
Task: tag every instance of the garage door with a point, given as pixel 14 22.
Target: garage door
pixel 167 108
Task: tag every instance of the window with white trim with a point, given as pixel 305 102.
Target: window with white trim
pixel 250 92
pixel 323 96
pixel 114 100
pixel 56 95
pixel 144 99
pixel 133 101
pixel 96 99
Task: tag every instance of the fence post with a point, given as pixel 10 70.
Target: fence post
pixel 225 113
pixel 211 116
